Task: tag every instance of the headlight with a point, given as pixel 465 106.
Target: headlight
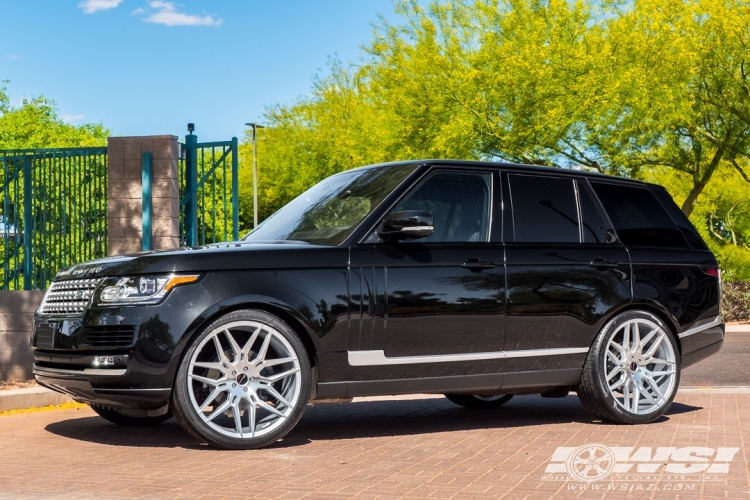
pixel 141 289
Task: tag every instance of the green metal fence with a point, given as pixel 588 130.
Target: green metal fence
pixel 53 213
pixel 209 208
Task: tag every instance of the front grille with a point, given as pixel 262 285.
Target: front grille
pixel 69 297
pixel 108 337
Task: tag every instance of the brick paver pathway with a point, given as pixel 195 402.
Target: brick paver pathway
pixel 413 448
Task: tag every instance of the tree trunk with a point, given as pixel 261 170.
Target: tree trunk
pixel 698 186
pixel 689 205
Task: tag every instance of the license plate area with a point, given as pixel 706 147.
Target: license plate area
pixel 45 335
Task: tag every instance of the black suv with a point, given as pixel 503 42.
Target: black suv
pixel 475 280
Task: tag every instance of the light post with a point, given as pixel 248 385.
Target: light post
pixel 255 127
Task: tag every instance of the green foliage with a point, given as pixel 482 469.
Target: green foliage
pixel 35 124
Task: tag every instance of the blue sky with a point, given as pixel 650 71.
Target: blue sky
pixel 144 67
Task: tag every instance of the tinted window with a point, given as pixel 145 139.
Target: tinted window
pixel 328 212
pixel 594 225
pixel 459 204
pixel 638 216
pixel 544 209
pixel 679 217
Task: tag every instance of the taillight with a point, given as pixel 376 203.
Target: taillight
pixel 713 271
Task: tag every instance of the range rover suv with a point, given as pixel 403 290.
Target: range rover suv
pixel 476 280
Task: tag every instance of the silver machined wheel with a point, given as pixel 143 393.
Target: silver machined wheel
pixel 244 379
pixel 641 367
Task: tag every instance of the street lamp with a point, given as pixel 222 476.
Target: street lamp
pixel 255 127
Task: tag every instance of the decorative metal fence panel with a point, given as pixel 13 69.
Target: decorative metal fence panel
pixel 209 207
pixel 53 213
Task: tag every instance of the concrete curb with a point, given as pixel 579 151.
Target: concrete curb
pixel 738 328
pixel 19 399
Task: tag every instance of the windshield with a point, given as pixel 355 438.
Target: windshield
pixel 330 211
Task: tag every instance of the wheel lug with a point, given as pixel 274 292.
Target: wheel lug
pixel 244 369
pixel 234 385
pixel 234 373
pixel 245 389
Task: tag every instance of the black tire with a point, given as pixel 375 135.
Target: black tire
pixel 118 418
pixel 479 402
pixel 594 392
pixel 187 414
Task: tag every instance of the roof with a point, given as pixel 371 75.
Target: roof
pixel 509 166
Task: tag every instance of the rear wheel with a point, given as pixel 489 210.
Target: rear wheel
pixel 119 418
pixel 632 371
pixel 479 401
pixel 244 381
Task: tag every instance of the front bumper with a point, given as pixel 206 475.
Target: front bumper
pixel 138 372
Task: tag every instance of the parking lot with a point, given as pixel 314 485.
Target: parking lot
pixel 414 447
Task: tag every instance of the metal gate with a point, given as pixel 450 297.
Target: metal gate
pixel 209 205
pixel 53 213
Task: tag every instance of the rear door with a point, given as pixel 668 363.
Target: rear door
pixel 565 271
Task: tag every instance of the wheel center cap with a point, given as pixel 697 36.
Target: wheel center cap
pixel 633 366
pixel 242 379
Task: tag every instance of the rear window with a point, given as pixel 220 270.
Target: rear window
pixel 638 217
pixel 679 217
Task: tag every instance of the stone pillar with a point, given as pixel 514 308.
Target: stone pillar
pixel 125 193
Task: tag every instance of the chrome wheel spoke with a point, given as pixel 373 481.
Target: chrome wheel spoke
pixel 261 356
pixel 237 417
pixel 211 397
pixel 270 389
pixel 273 362
pixel 618 384
pixel 221 409
pixel 209 366
pixel 270 408
pixel 655 345
pixel 235 346
pixel 617 369
pixel 206 380
pixel 278 376
pixel 636 395
pixel 249 344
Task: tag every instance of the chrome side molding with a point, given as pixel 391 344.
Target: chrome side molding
pixel 378 358
pixel 697 329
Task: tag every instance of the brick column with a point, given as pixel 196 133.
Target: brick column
pixel 125 192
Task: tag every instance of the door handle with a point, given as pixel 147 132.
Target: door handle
pixel 475 263
pixel 600 263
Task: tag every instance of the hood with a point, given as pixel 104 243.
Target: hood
pixel 217 257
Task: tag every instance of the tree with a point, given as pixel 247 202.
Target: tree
pixel 35 124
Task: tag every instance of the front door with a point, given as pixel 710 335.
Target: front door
pixel 433 306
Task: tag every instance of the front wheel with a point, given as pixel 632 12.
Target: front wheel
pixel 479 401
pixel 244 381
pixel 632 371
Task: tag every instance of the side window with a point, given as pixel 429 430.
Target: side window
pixel 459 204
pixel 595 229
pixel 638 216
pixel 544 209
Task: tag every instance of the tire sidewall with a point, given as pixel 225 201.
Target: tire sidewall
pixel 600 353
pixel 185 412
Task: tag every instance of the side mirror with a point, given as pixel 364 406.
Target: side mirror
pixel 406 225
